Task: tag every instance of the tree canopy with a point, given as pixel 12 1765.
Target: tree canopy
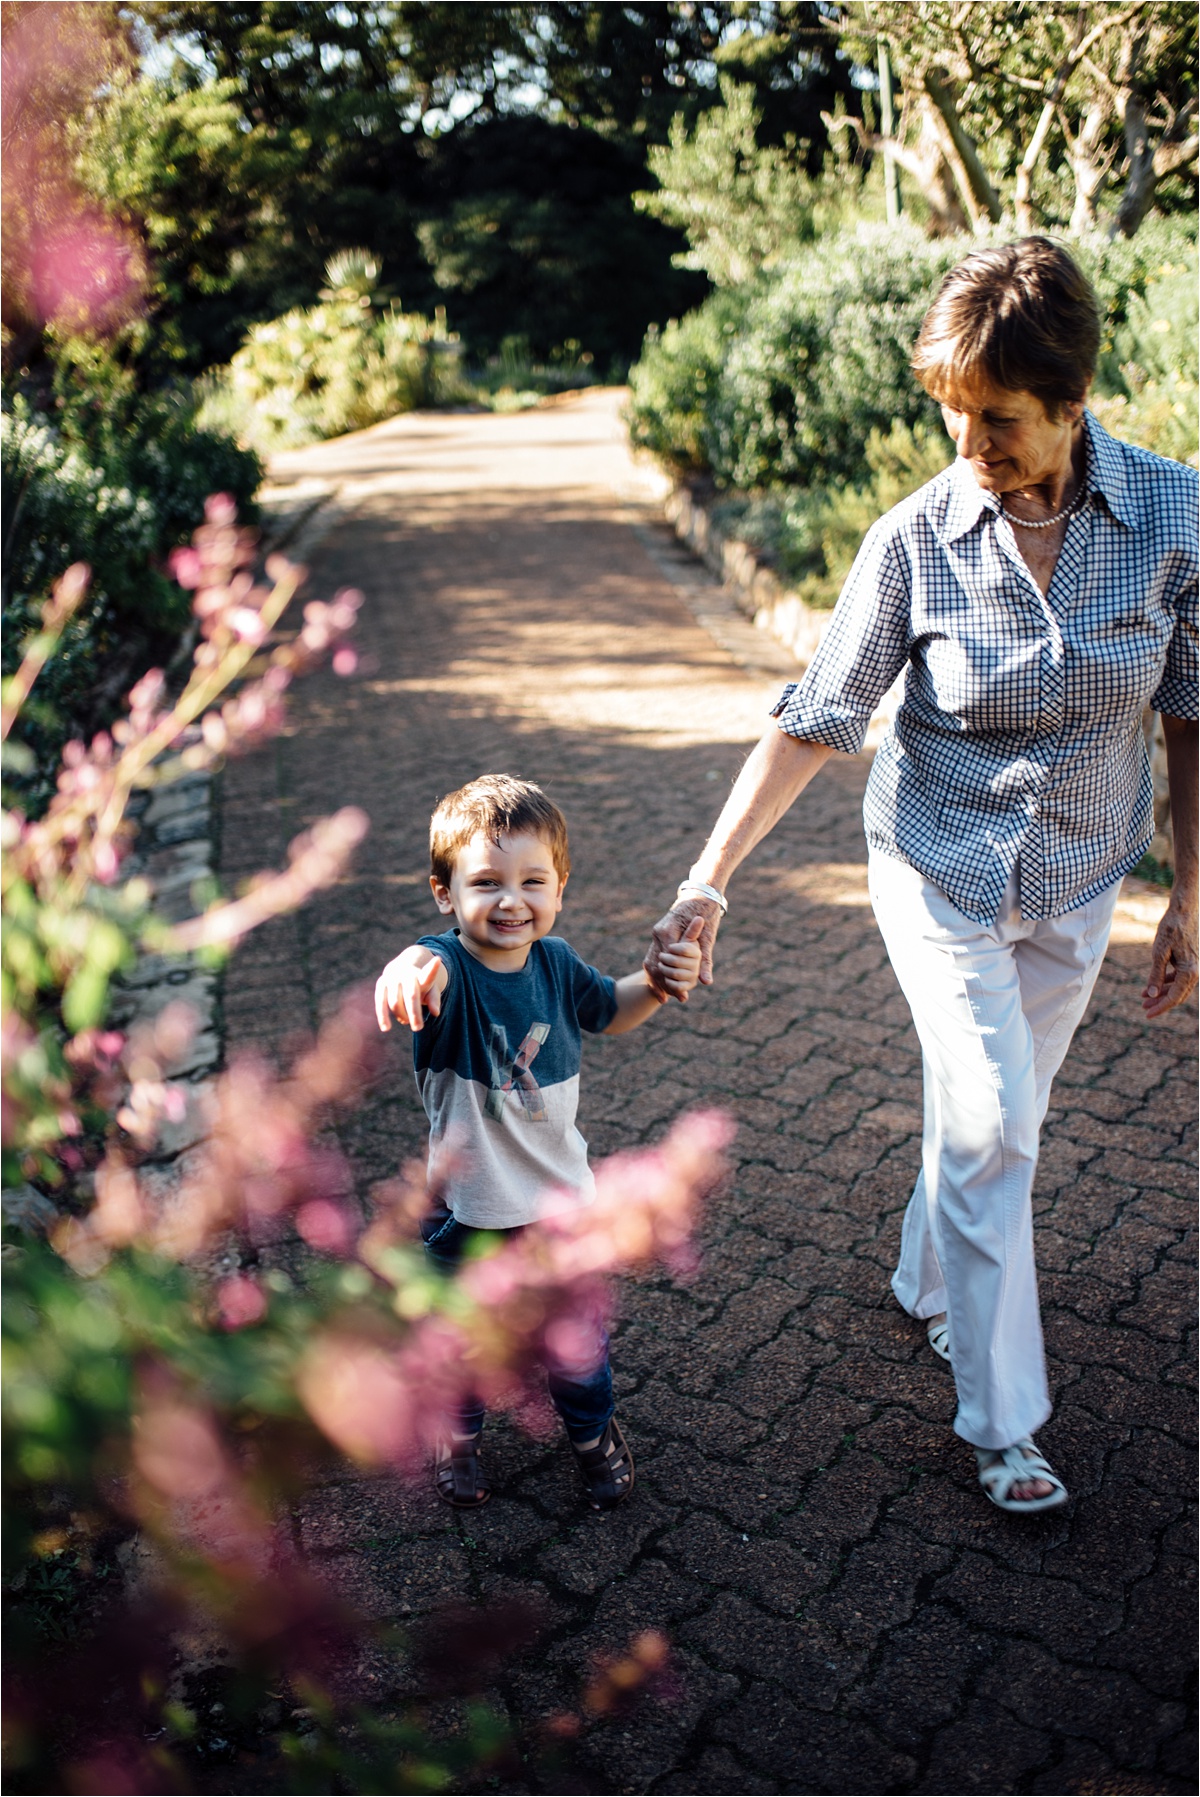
pixel 488 155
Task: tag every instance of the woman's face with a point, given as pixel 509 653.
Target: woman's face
pixel 1007 437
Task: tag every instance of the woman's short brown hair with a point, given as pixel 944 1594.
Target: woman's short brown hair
pixel 1022 316
pixel 496 805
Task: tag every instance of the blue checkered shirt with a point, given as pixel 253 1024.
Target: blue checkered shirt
pixel 1019 739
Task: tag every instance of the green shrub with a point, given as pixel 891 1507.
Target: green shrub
pixel 823 360
pixel 673 385
pixel 1140 280
pixel 782 383
pixel 1159 334
pixel 812 534
pixel 822 531
pixel 334 367
pixel 117 486
pixel 1157 415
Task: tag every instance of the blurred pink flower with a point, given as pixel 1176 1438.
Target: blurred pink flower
pixel 344 661
pixel 106 863
pixel 356 1392
pixel 185 567
pixel 85 273
pixel 240 1301
pixel 326 1226
pixel 177 1450
pixel 572 1342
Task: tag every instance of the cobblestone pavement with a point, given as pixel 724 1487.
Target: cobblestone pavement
pixel 848 1613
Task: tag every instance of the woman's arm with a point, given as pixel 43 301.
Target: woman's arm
pixel 775 773
pixel 1174 965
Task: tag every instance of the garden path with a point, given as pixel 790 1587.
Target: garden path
pixel 847 1613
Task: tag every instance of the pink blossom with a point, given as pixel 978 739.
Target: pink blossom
pixel 86 273
pixel 144 697
pixel 174 1104
pixel 326 1226
pixel 185 567
pixel 220 509
pixel 120 1215
pixel 177 1450
pixel 572 1342
pixel 240 1301
pixel 215 733
pixel 344 661
pixel 247 624
pixel 356 1393
pixel 106 863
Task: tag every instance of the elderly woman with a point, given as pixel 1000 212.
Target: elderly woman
pixel 1038 595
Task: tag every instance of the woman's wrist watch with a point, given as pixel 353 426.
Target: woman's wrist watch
pixel 690 888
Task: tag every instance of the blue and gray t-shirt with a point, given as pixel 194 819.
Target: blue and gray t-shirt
pixel 498 1074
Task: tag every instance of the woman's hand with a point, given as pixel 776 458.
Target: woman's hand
pixel 676 926
pixel 774 774
pixel 1173 964
pixel 1175 960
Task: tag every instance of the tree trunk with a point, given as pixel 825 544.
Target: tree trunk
pixel 1149 165
pixel 926 164
pixel 1090 173
pixel 887 118
pixel 1138 196
pixel 1029 161
pixel 978 194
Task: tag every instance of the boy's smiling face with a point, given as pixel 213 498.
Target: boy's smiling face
pixel 504 896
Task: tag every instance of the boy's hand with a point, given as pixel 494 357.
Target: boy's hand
pixel 408 987
pixel 678 968
pixel 670 930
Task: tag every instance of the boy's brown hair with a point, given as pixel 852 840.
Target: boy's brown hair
pixel 498 805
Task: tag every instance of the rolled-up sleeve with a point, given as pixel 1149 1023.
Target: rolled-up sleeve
pixel 1176 691
pixel 862 652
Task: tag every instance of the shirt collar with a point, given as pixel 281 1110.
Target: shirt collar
pixel 1106 472
pixel 1105 475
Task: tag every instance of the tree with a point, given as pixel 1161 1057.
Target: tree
pixel 741 206
pixel 396 127
pixel 529 232
pixel 1017 94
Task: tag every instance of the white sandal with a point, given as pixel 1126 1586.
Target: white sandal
pixel 1002 1468
pixel 937 1333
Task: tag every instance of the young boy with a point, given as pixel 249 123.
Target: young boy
pixel 496 1006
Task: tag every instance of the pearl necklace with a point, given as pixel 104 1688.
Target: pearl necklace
pixel 1042 523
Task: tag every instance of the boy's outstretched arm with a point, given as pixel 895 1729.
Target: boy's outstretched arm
pixel 679 972
pixel 409 986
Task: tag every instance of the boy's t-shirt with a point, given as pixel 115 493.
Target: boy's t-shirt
pixel 498 1074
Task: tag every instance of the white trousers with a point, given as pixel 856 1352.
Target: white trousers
pixel 995 1006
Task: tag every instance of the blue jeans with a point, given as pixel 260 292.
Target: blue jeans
pixel 583 1399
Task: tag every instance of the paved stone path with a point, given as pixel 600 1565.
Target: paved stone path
pixel 848 1613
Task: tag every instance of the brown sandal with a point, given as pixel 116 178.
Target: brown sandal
pixel 607 1468
pixel 457 1476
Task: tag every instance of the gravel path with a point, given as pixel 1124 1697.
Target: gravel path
pixel 848 1614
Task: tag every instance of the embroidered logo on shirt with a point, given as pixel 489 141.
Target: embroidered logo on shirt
pixel 510 1072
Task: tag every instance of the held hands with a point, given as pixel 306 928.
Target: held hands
pixel 1174 963
pixel 695 921
pixel 679 964
pixel 408 987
